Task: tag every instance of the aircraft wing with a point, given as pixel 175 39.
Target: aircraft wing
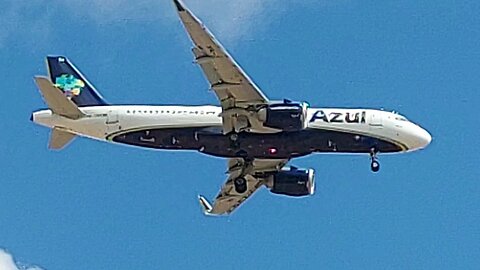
pixel 254 172
pixel 230 83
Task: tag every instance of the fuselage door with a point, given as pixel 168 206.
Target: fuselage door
pixel 375 120
pixel 112 122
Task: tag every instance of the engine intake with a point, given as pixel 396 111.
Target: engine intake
pixel 293 182
pixel 287 116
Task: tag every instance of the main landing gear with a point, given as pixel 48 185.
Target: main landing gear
pixel 234 142
pixel 235 139
pixel 240 185
pixel 374 165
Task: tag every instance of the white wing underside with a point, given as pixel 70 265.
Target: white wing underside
pixel 228 199
pixel 240 99
pixel 232 86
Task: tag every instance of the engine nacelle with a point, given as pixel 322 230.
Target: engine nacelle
pixel 287 116
pixel 293 182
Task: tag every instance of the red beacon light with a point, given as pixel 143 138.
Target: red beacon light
pixel 272 150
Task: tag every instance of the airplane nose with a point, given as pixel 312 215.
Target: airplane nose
pixel 424 138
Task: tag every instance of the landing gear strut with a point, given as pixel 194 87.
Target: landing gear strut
pixel 374 165
pixel 234 142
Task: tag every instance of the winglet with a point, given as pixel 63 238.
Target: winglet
pixel 179 5
pixel 206 206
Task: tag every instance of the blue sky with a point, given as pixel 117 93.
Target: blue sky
pixel 101 206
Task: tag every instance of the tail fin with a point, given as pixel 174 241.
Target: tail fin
pixel 65 76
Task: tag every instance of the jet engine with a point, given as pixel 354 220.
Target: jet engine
pixel 286 116
pixel 293 182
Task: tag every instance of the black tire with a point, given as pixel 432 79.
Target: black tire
pixel 233 136
pixel 240 185
pixel 234 140
pixel 242 154
pixel 375 166
pixel 235 145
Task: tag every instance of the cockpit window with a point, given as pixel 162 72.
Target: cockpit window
pixel 400 118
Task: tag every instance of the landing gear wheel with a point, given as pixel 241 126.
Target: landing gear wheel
pixel 242 154
pixel 233 136
pixel 375 166
pixel 240 185
pixel 234 142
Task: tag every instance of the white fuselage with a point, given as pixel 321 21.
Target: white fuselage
pixel 104 121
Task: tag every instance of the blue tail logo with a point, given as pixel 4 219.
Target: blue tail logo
pixel 70 85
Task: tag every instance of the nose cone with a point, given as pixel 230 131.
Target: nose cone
pixel 423 138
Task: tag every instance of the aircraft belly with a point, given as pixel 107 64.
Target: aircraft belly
pixel 211 141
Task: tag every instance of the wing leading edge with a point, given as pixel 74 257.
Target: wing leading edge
pixel 230 83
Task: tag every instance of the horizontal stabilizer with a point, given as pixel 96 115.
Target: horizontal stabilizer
pixel 59 139
pixel 56 100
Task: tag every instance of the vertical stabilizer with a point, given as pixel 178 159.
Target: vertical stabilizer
pixel 66 77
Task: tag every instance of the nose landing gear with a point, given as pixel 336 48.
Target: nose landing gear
pixel 374 165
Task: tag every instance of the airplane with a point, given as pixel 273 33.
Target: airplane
pixel 256 135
